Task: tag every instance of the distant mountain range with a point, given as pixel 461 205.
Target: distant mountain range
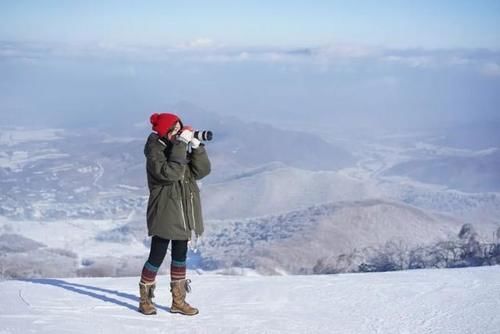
pixel 295 241
pixel 276 199
pixel 53 174
pixel 478 173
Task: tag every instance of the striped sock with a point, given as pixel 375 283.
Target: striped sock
pixel 148 273
pixel 177 270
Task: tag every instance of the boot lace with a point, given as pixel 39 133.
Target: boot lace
pixel 152 292
pixel 187 287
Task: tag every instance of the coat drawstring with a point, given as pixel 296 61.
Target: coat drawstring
pixel 195 242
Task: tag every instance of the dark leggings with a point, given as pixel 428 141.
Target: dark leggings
pixel 159 250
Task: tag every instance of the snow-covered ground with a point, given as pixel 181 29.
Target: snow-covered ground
pixel 419 301
pixel 78 235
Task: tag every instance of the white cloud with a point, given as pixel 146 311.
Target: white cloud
pixel 244 55
pixel 349 51
pixel 412 61
pixel 207 51
pixel 459 60
pixel 199 43
pixel 491 69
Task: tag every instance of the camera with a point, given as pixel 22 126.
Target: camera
pixel 203 135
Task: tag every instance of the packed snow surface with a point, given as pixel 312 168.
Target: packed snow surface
pixel 465 300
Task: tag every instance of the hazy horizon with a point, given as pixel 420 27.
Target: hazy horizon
pixel 356 65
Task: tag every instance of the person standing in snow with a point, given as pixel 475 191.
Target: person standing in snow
pixel 175 159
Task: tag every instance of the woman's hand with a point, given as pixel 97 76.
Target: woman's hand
pixel 195 143
pixel 186 134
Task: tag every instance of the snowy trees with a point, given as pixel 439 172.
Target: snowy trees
pixel 464 251
pixel 21 257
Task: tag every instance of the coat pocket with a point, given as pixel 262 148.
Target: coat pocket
pixel 171 213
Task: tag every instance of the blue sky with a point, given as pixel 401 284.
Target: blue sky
pixel 426 24
pixel 345 63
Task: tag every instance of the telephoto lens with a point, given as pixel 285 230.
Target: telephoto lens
pixel 203 135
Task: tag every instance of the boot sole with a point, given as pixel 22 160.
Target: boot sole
pixel 152 313
pixel 180 312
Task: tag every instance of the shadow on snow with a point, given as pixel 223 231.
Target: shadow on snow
pixel 91 291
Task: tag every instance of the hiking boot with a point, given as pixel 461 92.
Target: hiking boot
pixel 179 305
pixel 146 291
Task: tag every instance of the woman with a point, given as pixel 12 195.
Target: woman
pixel 174 161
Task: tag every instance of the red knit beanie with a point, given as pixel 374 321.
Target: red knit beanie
pixel 163 122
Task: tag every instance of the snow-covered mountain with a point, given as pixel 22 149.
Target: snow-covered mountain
pixel 444 301
pixel 473 173
pixel 295 241
pixel 99 173
pixel 277 188
pixel 78 197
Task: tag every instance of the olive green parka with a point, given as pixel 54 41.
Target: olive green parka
pixel 174 206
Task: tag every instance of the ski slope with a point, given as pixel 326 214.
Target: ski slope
pixel 465 300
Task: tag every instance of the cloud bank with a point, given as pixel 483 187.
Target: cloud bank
pixel 205 50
